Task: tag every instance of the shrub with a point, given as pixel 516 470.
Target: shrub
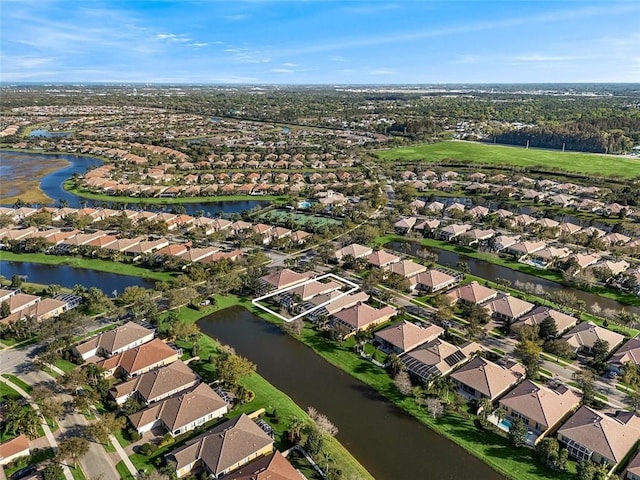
pixel 133 435
pixel 148 449
pixel 166 439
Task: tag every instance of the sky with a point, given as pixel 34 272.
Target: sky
pixel 319 42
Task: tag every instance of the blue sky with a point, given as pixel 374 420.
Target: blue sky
pixel 327 42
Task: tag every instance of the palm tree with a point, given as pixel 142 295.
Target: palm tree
pixel 485 406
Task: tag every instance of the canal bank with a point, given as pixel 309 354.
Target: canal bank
pixel 359 398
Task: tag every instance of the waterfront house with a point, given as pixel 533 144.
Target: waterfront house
pixel 282 279
pixel 406 336
pixel 583 337
pixel 271 467
pixel 223 449
pixel 382 259
pixel 538 315
pixel 508 308
pixel 434 280
pixel 407 268
pixel 141 359
pixel 481 378
pixel 362 317
pixel 354 250
pixel 113 342
pixel 181 413
pixel 604 439
pixel 438 358
pixel 472 294
pixel 157 384
pixel 541 408
pixel 627 353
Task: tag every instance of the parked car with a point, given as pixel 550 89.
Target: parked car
pixel 24 472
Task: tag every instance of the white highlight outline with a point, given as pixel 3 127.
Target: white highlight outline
pixel 355 287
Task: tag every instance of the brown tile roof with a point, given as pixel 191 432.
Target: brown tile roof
pixel 179 411
pixel 362 315
pixel 438 357
pixel 223 446
pixel 586 334
pixel 541 404
pixel 113 340
pixel 313 288
pixel 434 278
pixel 407 268
pixel 510 307
pixel 340 303
pixel 488 378
pixel 144 356
pixel 159 383
pixel 607 436
pixel 355 250
pixel 271 467
pixel 13 447
pixel 286 278
pixel 629 352
pixel 634 465
pixel 472 293
pixel 407 335
pixel 20 301
pixel 538 315
pixel 382 258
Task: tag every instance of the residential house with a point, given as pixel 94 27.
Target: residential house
pixel 157 384
pixel 502 242
pixel 508 308
pixel 633 469
pixel 271 467
pixel 452 231
pixel 543 409
pixel 223 449
pixel 427 225
pixel 354 250
pixel 535 317
pixel 522 249
pixel 615 268
pixel 335 304
pixel 438 358
pixel 612 239
pixel 481 378
pixel 362 317
pixel 382 259
pixel 39 311
pixel 435 280
pixel 406 336
pixel 472 294
pixel 282 279
pixel 592 435
pixel 548 256
pixel 582 260
pixel 583 337
pixel 627 353
pixel 113 342
pixel 476 235
pixel 140 359
pixel 404 225
pixel 181 413
pixel 407 268
pixel 15 448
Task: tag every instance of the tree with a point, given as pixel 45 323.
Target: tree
pixel 232 368
pixel 322 422
pixel 403 383
pixel 16 281
pixel 20 420
pixel 40 392
pixel 551 456
pixel 528 352
pixel 184 331
pixel 600 352
pixel 296 425
pixel 435 407
pixel 105 426
pixel 131 295
pixel 548 329
pixel 588 470
pixel 293 328
pixel 314 442
pixel 518 433
pixel 586 383
pixel 5 310
pixel 53 471
pixel 394 365
pixel 73 448
pixel 74 379
pixel 485 406
pixel 52 408
pixel 560 348
pixel 181 296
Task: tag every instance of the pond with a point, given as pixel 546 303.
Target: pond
pixel 68 277
pixel 388 442
pixel 37 132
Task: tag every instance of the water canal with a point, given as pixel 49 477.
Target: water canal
pixel 388 442
pixel 487 270
pixel 68 277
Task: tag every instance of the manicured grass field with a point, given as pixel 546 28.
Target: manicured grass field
pixel 18 382
pixel 88 263
pixel 587 163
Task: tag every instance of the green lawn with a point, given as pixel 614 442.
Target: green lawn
pixel 123 471
pixel 587 163
pixel 6 392
pixel 87 263
pixel 18 382
pixel 65 365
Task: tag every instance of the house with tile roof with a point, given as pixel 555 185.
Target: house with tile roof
pixel 282 279
pixel 354 250
pixel 382 259
pixel 157 384
pixel 407 268
pixel 140 359
pixel 362 316
pixel 271 467
pixel 181 413
pixel 472 294
pixel 222 450
pixel 438 358
pixel 434 280
pixel 15 448
pixel 592 435
pixel 538 315
pixel 583 337
pixel 633 468
pixel 541 408
pixel 406 336
pixel 481 378
pixel 508 308
pixel 627 353
pixel 113 342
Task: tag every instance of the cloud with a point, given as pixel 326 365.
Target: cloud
pixel 198 45
pixel 282 70
pixel 337 58
pixel 172 37
pixel 382 71
pixel 289 64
